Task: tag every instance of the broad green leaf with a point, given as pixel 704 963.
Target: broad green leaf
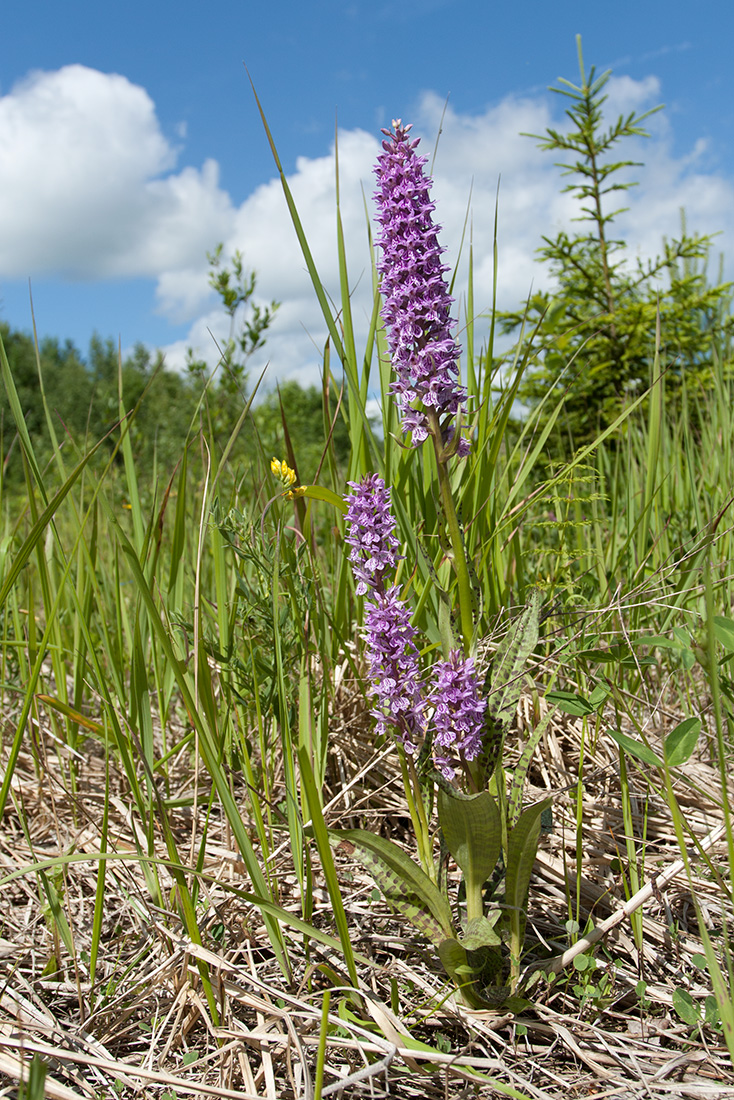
pixel 686 1007
pixel 570 702
pixel 453 956
pixel 635 748
pixel 522 847
pixel 598 695
pixel 599 656
pixel 724 631
pixel 472 830
pixel 613 653
pixel 403 883
pixel 711 1011
pixel 680 742
pixel 480 932
pixel 638 662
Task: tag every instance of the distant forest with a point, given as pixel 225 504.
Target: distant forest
pixel 83 396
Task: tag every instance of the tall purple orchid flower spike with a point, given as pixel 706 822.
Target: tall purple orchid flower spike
pixel 417 303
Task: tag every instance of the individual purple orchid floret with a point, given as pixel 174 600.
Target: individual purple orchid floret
pixel 370 532
pixel 458 717
pixel 417 303
pixel 393 667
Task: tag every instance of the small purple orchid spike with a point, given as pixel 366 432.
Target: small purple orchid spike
pixel 370 532
pixel 458 716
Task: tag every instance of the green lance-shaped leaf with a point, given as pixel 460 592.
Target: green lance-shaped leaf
pixel 403 883
pixel 465 969
pixel 686 1007
pixel 638 749
pixel 472 830
pixel 509 663
pixel 320 492
pixel 504 682
pixel 571 702
pixel 724 632
pixel 453 956
pixel 522 847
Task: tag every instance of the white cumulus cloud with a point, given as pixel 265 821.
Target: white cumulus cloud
pixel 87 186
pixel 90 189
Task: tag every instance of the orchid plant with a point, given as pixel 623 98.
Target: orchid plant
pixel 448 721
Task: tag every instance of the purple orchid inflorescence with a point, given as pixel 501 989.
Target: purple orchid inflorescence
pixel 417 303
pixel 391 652
pixel 393 667
pixel 370 532
pixel 392 655
pixel 458 716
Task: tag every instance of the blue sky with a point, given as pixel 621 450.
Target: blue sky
pixel 131 144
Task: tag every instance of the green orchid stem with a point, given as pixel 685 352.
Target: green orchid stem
pixel 412 787
pixel 474 776
pixel 466 598
pixel 474 900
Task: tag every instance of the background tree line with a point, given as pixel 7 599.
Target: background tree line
pixel 83 394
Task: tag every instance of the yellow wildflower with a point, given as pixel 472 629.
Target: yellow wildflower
pixel 285 475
